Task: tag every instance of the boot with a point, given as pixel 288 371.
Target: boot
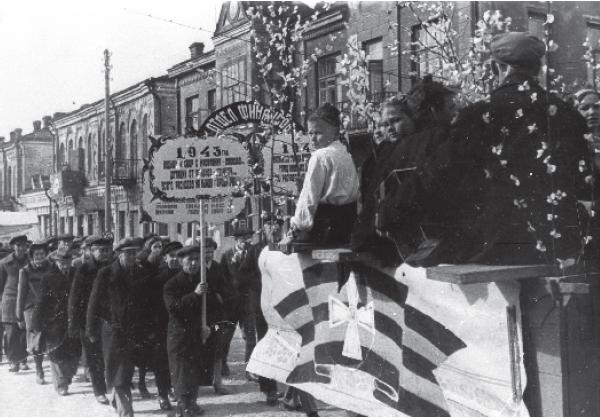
pixel 218 379
pixel 144 393
pixel 14 367
pixel 39 369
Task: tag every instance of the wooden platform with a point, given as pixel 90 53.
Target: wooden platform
pixel 478 273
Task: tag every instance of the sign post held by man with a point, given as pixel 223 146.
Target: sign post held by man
pixel 206 177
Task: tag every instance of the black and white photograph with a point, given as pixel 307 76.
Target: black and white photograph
pixel 299 208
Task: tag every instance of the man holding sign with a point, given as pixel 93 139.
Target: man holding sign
pixel 190 344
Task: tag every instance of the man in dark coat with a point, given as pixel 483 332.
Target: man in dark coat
pixel 16 347
pixel 241 263
pixel 51 319
pixel 152 352
pixel 28 296
pixel 78 305
pixel 114 307
pixel 519 163
pixel 192 346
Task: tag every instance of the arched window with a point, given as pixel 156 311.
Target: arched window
pixel 101 136
pixel 144 137
pixel 133 140
pixel 61 156
pixel 89 154
pixel 120 142
pixel 9 186
pixel 80 155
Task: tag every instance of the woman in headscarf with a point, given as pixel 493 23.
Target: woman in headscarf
pixel 406 183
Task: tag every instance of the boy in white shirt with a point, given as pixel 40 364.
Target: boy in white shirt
pixel 326 208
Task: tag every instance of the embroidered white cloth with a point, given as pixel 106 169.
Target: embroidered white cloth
pixel 331 178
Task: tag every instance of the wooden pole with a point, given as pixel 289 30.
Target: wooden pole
pixel 107 149
pixel 202 262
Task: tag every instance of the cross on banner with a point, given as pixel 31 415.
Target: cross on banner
pixel 364 317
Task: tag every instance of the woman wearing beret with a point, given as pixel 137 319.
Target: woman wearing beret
pixel 28 295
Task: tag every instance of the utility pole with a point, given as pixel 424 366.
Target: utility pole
pixel 107 146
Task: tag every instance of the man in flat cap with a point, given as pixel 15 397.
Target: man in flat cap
pixel 191 346
pixel 509 157
pixel 152 353
pixel 9 281
pixel 100 256
pixel 114 315
pixel 65 241
pixel 326 207
pixel 51 319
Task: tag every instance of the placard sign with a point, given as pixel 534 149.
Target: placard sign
pixel 285 170
pixel 255 124
pixel 183 170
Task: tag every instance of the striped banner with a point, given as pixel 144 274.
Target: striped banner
pixel 378 346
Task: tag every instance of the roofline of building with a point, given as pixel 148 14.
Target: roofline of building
pixel 117 98
pixel 191 64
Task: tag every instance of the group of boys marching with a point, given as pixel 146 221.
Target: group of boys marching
pixel 140 304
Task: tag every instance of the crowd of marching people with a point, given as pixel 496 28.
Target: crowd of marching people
pixel 79 301
pixel 424 196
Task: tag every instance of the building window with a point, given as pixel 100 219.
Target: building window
pixel 163 229
pixel 121 224
pixel 90 224
pixel 374 56
pixel 10 183
pixel 133 222
pixel 70 225
pixel 212 100
pixel 120 142
pixel 428 56
pixel 80 156
pixel 327 80
pixel 89 155
pixel 593 65
pixel 61 156
pixel 190 229
pixel 233 81
pixel 192 117
pixel 133 138
pixel 61 225
pixel 80 225
pixel 144 141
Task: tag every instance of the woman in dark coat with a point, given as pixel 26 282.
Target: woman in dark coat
pixel 51 319
pixel 28 295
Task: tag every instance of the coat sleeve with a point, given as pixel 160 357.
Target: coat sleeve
pixel 22 290
pixel 39 309
pixel 178 304
pixel 97 298
pixel 74 309
pixel 3 276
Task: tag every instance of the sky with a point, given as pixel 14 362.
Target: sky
pixel 51 52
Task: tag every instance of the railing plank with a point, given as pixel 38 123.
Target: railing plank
pixel 478 273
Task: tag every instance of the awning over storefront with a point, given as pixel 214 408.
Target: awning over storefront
pixel 13 223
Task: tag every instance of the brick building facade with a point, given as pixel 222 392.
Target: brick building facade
pixel 25 167
pixel 146 108
pixel 208 80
